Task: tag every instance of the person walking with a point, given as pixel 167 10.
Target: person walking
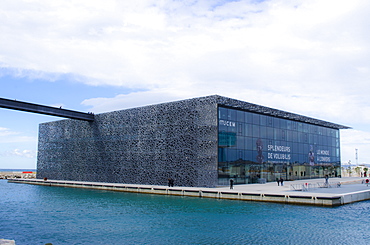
pixel 171 182
pixel 326 180
pixel 231 184
pixel 281 181
pixel 278 181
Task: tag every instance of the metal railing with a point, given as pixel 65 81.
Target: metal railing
pixel 309 186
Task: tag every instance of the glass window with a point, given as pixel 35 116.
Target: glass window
pixel 289 135
pixel 263 132
pixel 231 115
pixel 270 133
pixel 256 119
pixel 301 149
pixel 239 132
pixel 232 127
pixel 240 142
pixel 294 125
pixel 222 127
pixel 270 122
pixel 295 136
pixel 248 130
pixel 294 148
pixel 221 155
pixel 315 139
pixel 332 141
pixel 256 131
pixel 283 124
pixel 232 155
pixel 240 154
pixel 222 113
pixel 319 142
pixel 300 127
pixel 283 137
pixel 248 143
pixel 240 116
pixel 240 128
pixel 277 134
pixel 305 138
pixel 254 144
pixel 249 155
pixel 288 124
pixel 248 117
pixel 263 120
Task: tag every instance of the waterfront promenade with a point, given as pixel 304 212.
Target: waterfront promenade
pixel 338 191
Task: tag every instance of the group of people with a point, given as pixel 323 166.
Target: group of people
pixel 280 181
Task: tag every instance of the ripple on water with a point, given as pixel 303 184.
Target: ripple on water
pixel 40 214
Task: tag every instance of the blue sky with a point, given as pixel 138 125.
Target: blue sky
pixel 306 57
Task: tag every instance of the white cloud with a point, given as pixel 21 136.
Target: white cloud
pixel 308 57
pixel 9 136
pixel 355 139
pixel 19 153
pixel 6 132
pixel 151 44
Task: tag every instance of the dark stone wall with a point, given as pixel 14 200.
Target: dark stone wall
pixel 145 145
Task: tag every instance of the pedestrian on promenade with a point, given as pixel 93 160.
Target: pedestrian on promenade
pixel 231 184
pixel 278 181
pixel 281 181
pixel 170 182
pixel 326 180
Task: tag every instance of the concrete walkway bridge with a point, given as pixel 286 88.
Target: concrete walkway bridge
pixel 45 110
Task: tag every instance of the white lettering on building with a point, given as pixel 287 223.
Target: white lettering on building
pixel 276 149
pixel 323 155
pixel 227 123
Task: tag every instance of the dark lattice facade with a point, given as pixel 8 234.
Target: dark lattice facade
pixel 145 145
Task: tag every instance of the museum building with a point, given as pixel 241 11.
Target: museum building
pixel 201 142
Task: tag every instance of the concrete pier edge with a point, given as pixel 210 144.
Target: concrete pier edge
pixel 271 194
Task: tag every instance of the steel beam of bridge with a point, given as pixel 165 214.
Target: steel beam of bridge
pixel 45 110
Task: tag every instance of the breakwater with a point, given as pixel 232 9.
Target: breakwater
pixel 349 192
pixel 14 174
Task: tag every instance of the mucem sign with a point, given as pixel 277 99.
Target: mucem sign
pixel 197 142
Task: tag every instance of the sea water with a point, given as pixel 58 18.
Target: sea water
pixel 31 214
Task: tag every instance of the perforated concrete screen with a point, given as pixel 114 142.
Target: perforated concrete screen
pixel 145 145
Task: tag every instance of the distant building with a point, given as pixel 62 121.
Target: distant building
pixel 197 142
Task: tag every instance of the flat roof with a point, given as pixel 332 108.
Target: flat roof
pixel 246 106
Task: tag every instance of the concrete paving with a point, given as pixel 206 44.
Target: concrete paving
pixel 347 185
pixel 338 191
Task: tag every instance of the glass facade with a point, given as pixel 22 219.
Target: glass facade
pixel 254 148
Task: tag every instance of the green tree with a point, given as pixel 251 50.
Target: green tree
pixel 358 170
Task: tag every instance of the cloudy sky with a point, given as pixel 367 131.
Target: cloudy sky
pixel 304 56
